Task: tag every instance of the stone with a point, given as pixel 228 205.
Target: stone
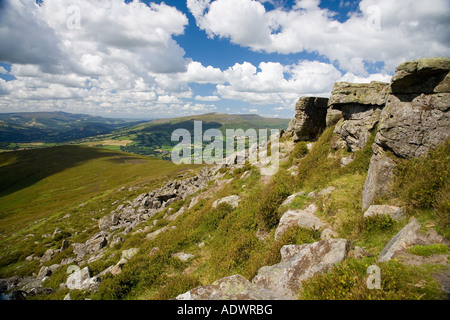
pixel 298 218
pixel 233 201
pixel 81 280
pixel 291 198
pixel 64 245
pixel 309 120
pixel 117 269
pixel 182 256
pixel 333 117
pixel 406 237
pixel 426 75
pixel 396 213
pixel 234 287
pixel 413 124
pixel 344 93
pixel 44 272
pixel 379 178
pixel 129 253
pixel 299 263
pixel 48 255
pixel 360 104
pixel 328 234
pixel 345 161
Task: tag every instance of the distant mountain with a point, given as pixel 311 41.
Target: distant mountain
pixel 54 126
pixel 154 138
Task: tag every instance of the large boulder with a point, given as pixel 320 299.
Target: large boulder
pixel 81 279
pixel 416 118
pixel 360 105
pixel 310 118
pixel 233 201
pixel 299 263
pixel 234 287
pixel 298 218
pixel 414 121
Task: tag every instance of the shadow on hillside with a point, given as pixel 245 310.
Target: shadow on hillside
pixel 21 169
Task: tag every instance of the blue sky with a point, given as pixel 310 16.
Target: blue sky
pixel 155 59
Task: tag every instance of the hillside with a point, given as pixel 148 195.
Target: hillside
pixel 358 209
pixel 154 138
pixel 52 127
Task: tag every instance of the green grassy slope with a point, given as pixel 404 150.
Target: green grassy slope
pixel 38 187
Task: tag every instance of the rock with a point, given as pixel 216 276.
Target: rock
pixel 234 287
pixel 233 201
pixel 360 104
pixel 153 251
pixel 345 161
pixel 48 255
pixel 345 93
pixel 326 191
pixel 176 215
pixel 299 263
pixel 379 178
pixel 301 218
pixel 64 245
pixel 182 256
pixel 413 124
pixel 117 269
pixel 427 75
pixel 56 232
pixel 394 212
pixel 333 117
pixel 81 280
pixel 130 253
pixel 406 237
pixel 44 272
pixel 359 253
pixel 309 120
pixel 328 234
pixel 291 198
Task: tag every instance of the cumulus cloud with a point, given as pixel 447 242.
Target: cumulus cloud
pixel 272 83
pixel 103 53
pixel 382 30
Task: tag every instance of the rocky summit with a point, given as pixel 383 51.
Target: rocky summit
pixel 363 184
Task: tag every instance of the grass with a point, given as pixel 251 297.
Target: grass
pixel 40 187
pixel 348 281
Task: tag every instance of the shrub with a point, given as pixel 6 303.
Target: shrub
pixel 348 281
pixel 273 196
pixel 300 150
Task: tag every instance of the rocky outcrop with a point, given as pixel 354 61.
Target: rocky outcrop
pixel 309 120
pixel 234 287
pixel 415 120
pixel 299 263
pixel 278 282
pixel 360 105
pixel 81 280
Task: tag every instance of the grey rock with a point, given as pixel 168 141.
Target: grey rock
pixel 81 280
pixel 309 120
pixel 182 256
pixel 48 255
pixel 291 198
pixel 406 237
pixel 232 200
pixel 234 287
pixel 300 218
pixel 427 75
pixel 379 178
pixel 299 263
pixel 333 117
pixel 117 269
pixel 345 93
pixel 413 124
pixel 396 213
pixel 129 253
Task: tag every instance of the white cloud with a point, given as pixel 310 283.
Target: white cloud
pixel 207 98
pixel 382 31
pixel 269 85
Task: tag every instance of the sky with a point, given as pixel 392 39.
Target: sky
pixel 157 59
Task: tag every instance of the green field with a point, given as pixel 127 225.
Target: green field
pixel 45 184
